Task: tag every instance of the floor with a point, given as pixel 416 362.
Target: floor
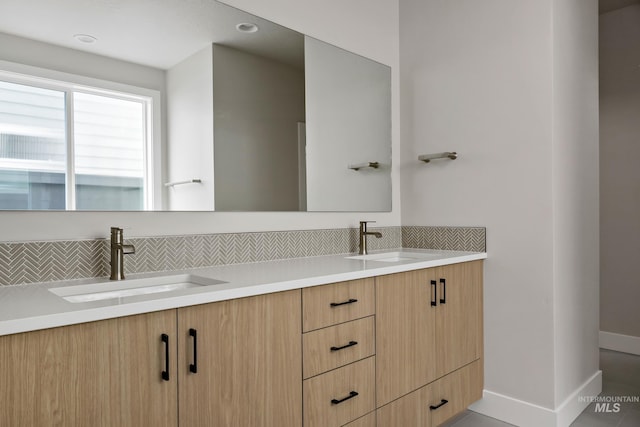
pixel 620 377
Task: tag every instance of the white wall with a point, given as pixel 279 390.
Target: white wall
pixel 575 194
pixel 257 105
pixel 348 122
pixel 481 78
pixel 364 27
pixel 476 79
pixel 190 132
pixel 619 172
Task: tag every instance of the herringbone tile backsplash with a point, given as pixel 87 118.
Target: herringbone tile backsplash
pixel 446 238
pixel 22 263
pixel 48 261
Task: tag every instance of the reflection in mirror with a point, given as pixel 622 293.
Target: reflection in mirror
pixel 348 122
pixel 138 105
pixel 248 107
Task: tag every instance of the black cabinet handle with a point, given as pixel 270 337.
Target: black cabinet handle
pixel 351 344
pixel 193 367
pixel 350 301
pixel 443 282
pixel 165 340
pixel 442 403
pixel 434 289
pixel 351 396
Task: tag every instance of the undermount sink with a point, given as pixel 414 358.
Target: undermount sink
pixel 396 256
pixel 128 288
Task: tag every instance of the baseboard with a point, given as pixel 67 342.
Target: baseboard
pixel 619 342
pixel 573 405
pixel 513 411
pixel 525 414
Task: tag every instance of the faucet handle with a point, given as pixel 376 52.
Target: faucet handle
pixel 128 249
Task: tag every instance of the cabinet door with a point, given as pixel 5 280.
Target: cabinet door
pixel 459 315
pixel 104 373
pixel 405 333
pixel 249 362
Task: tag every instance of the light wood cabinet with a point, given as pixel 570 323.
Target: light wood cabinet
pixel 338 352
pixel 411 410
pixel 328 305
pixel 102 373
pixel 368 420
pixel 249 362
pixel 341 395
pixel 458 389
pixel 437 402
pixel 458 316
pixel 335 346
pixel 428 323
pixel 107 373
pixel 385 351
pixel 405 333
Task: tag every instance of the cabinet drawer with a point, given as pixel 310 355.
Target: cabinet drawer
pixel 437 402
pixel 327 400
pixel 368 420
pixel 459 389
pixel 410 410
pixel 328 305
pixel 335 346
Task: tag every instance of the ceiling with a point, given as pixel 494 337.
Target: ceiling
pixel 155 33
pixel 605 6
pixel 159 34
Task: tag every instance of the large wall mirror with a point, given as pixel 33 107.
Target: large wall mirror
pixel 229 111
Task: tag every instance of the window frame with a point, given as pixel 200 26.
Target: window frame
pixel 72 83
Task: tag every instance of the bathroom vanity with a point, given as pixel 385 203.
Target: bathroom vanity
pixel 321 341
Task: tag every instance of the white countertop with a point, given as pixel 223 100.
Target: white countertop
pixel 31 307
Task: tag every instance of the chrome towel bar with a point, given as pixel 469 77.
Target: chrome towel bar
pixel 446 155
pixel 189 181
pixel 357 166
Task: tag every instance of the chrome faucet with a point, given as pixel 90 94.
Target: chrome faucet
pixel 118 250
pixel 363 236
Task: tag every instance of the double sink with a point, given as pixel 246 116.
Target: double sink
pixel 171 283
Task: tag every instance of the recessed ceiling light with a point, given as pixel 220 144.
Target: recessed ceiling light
pixel 85 38
pixel 247 27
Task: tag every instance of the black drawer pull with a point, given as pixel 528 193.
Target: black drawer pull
pixel 193 367
pixel 165 340
pixel 336 304
pixel 442 403
pixel 434 292
pixel 443 282
pixel 351 396
pixel 351 344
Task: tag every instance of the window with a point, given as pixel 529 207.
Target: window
pixel 74 148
